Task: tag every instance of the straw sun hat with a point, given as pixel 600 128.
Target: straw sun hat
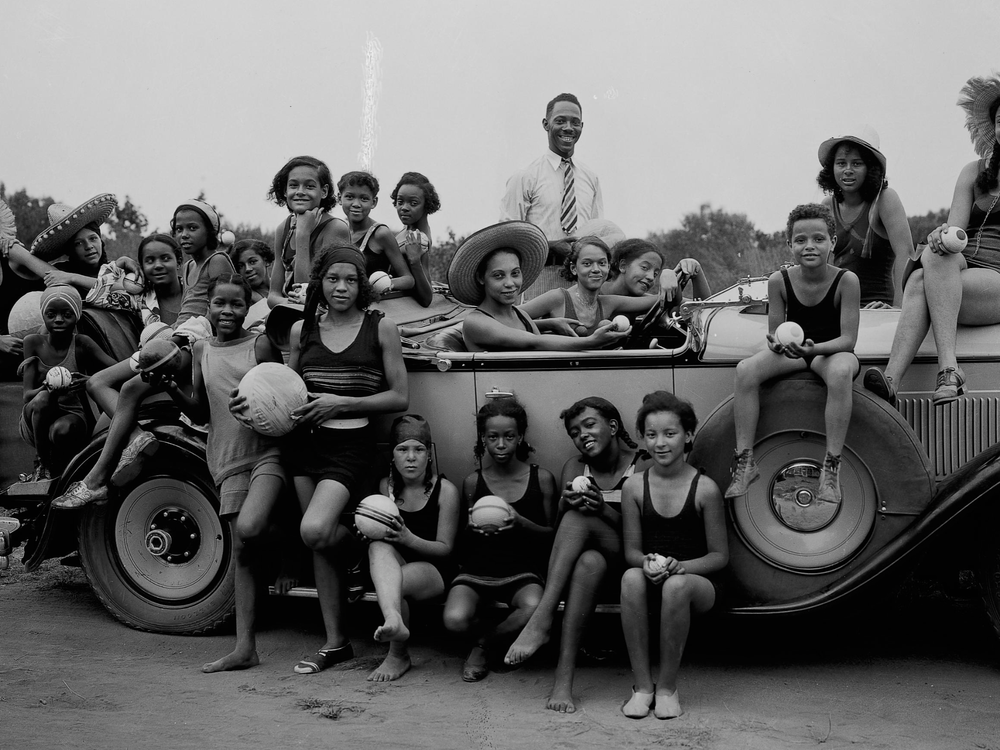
pixel 864 135
pixel 64 222
pixel 527 239
pixel 978 95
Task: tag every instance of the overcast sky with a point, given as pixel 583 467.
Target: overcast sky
pixel 684 102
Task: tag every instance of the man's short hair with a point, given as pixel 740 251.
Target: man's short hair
pixel 562 98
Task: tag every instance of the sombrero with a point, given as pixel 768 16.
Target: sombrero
pixel 64 222
pixel 977 96
pixel 522 236
pixel 865 135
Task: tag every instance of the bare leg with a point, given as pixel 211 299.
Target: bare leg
pixel 122 424
pixel 583 587
pixel 247 527
pixel 67 435
pixel 387 575
pixel 837 371
pixel 104 385
pixel 321 531
pixel 943 292
pixel 418 581
pixel 750 374
pixel 41 413
pixel 523 606
pixel 914 322
pixel 680 596
pixel 576 532
pixel 635 626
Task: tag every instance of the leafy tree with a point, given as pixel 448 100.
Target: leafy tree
pixel 441 254
pixel 31 213
pixel 728 246
pixel 921 226
pixel 124 230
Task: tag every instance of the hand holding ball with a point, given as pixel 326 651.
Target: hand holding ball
pixel 658 564
pixel 380 281
pixel 620 323
pixel 272 392
pixel 58 378
pixel 954 239
pixel 490 513
pixel 375 516
pixel 789 332
pixel 580 484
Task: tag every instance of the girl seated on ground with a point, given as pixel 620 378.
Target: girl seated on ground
pixel 588 544
pixel 675 543
pixel 412 562
pixel 489 270
pixel 503 564
pixel 57 420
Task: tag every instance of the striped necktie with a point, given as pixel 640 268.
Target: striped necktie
pixel 567 217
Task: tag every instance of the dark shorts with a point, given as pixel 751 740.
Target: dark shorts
pixel 498 589
pixel 345 456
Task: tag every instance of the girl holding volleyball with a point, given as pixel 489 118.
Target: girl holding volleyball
pixel 351 361
pixel 675 541
pixel 411 561
pixel 245 465
pixel 504 564
pixel 588 541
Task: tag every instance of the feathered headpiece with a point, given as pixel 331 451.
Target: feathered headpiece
pixel 978 95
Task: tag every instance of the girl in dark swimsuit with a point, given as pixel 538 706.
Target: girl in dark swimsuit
pixel 506 564
pixel 588 540
pixel 675 541
pixel 411 562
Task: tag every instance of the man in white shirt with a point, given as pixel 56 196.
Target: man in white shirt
pixel 555 192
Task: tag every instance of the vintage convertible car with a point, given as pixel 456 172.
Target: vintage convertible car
pixel 158 556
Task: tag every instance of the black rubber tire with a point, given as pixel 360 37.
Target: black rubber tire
pixel 141 589
pixel 895 481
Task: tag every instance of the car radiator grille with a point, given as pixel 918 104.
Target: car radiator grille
pixel 954 433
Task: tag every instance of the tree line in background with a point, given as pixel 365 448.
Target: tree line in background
pixel 728 245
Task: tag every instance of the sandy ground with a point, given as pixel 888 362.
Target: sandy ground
pixel 923 673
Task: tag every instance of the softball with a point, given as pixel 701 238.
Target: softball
pixel 954 239
pixel 789 332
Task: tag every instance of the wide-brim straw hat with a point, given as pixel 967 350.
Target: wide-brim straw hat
pixel 864 135
pixel 64 222
pixel 527 239
pixel 977 96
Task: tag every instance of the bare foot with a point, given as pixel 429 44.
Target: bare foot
pixel 235 660
pixel 668 705
pixel 392 629
pixel 561 700
pixel 285 582
pixel 532 638
pixel 394 667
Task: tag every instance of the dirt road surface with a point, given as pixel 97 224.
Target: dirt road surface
pixel 923 672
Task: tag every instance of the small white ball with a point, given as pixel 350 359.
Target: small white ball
pixel 227 238
pixel 380 281
pixel 954 239
pixel 581 484
pixel 131 284
pixel 58 377
pixel 621 323
pixel 658 564
pixel 789 332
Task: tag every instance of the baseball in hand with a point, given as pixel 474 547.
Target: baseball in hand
pixel 580 484
pixel 954 239
pixel 658 564
pixel 620 323
pixel 789 332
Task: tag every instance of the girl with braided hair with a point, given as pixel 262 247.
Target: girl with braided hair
pixel 588 544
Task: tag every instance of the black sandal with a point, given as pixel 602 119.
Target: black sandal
pixel 325 658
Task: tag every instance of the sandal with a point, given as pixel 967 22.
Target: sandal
pixel 79 494
pixel 325 658
pixel 474 672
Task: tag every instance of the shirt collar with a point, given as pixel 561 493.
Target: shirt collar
pixel 554 160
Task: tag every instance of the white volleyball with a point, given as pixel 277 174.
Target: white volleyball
pixel 380 281
pixel 58 377
pixel 272 391
pixel 789 332
pixel 26 315
pixel 490 512
pixel 375 516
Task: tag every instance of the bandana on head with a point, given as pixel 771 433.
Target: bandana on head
pixel 410 427
pixel 345 255
pixel 66 293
